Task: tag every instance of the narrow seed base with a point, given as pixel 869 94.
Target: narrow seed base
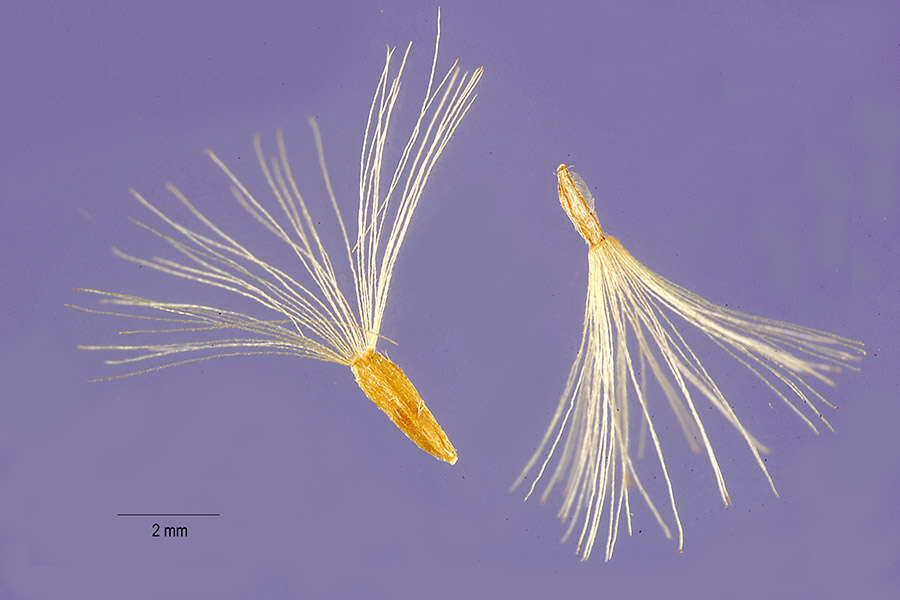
pixel 391 391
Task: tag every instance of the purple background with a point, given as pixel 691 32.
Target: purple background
pixel 746 150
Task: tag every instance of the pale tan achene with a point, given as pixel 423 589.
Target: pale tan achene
pixel 313 319
pixel 606 391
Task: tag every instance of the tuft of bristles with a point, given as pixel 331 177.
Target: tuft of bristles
pixel 629 328
pixel 313 318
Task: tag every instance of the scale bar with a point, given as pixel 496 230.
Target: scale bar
pixel 168 514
